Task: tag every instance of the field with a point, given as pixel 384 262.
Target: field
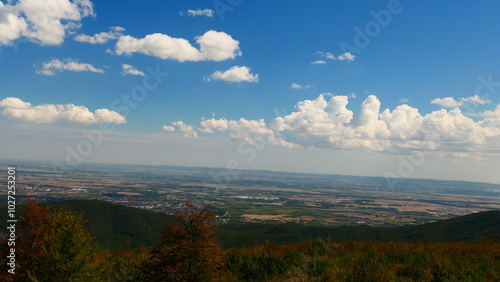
pixel 263 196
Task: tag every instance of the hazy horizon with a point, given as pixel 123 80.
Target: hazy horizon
pixel 93 164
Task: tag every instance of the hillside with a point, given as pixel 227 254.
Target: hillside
pixel 119 227
pixel 474 227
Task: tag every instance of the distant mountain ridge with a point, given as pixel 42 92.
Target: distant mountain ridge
pixel 117 227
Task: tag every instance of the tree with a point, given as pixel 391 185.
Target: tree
pixel 54 246
pixel 188 249
pixel 31 236
pixel 72 254
pixel 34 234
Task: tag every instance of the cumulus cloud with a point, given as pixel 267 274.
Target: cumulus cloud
pixel 212 124
pixel 168 128
pixel 55 65
pixel 214 46
pixel 492 118
pixel 102 37
pixel 234 74
pixel 346 56
pixel 328 123
pixel 450 102
pixel 16 109
pixel 43 22
pixel 185 129
pixel 198 12
pixel 343 57
pixel 129 69
pixel 492 114
pixel 247 130
pixel 11 25
pixel 318 62
pixel 298 86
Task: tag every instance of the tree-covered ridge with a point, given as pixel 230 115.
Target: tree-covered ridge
pixel 119 227
pixel 55 246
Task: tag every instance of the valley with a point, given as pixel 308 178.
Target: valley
pixel 262 196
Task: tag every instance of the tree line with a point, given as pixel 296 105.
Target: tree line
pixel 53 245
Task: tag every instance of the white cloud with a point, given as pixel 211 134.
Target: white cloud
pixel 492 118
pixel 212 124
pixel 234 74
pixel 55 65
pixel 185 129
pixel 214 46
pixel 492 114
pixel 318 62
pixel 242 129
pixel 199 12
pixel 168 128
pixel 404 100
pixel 102 37
pixel 346 56
pixel 475 100
pixel 327 55
pixel 343 57
pixel 129 69
pixel 450 102
pixel 16 109
pixel 15 103
pixel 43 22
pixel 11 25
pixel 298 86
pixel 328 123
pixel 352 95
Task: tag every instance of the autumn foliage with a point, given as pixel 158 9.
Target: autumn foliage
pixel 323 260
pixel 53 245
pixel 188 249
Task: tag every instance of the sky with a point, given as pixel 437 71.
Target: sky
pixel 399 89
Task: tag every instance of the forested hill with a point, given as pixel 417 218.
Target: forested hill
pixel 474 227
pixel 119 227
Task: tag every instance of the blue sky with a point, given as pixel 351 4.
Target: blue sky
pixel 269 76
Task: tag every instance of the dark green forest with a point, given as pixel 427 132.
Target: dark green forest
pixel 99 241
